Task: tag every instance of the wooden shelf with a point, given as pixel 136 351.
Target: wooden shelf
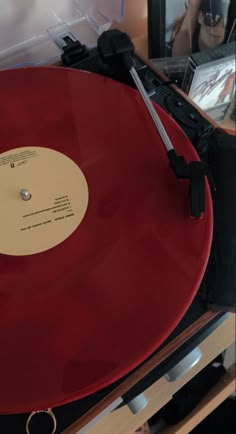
pixel 221 391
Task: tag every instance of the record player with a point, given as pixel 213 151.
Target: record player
pixel 71 41
pixel 66 34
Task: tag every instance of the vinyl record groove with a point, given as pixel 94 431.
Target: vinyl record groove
pixel 86 301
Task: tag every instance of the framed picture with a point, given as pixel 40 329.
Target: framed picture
pixel 183 27
pixel 213 87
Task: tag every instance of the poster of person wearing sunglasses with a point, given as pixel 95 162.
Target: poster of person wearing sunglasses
pixel 190 25
pixel 202 26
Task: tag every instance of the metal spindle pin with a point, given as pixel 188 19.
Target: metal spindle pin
pixel 25 194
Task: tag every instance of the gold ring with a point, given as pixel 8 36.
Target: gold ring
pixel 49 412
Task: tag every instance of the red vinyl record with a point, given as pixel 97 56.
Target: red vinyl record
pixel 99 258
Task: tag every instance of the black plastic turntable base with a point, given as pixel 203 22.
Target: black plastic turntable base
pixel 195 126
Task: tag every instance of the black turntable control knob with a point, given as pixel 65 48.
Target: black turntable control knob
pixel 183 112
pixel 193 117
pixel 179 104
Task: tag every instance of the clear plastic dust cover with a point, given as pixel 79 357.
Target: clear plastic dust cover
pixel 31 31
